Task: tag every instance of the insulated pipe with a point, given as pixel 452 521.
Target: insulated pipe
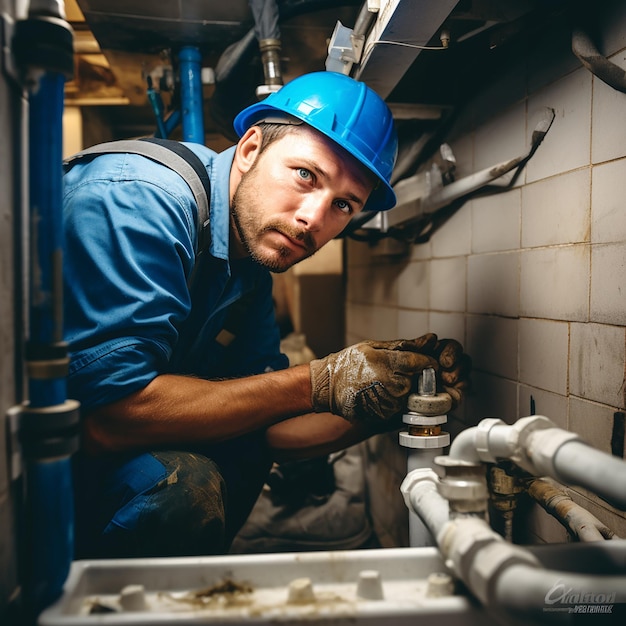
pixel 191 94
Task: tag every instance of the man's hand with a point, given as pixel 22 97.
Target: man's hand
pixel 372 379
pixel 454 369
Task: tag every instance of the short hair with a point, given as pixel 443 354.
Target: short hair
pixel 272 131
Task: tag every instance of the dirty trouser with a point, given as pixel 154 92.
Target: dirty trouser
pixel 167 503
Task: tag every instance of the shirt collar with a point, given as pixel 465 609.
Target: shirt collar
pixel 220 203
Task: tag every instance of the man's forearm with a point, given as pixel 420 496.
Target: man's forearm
pixel 177 409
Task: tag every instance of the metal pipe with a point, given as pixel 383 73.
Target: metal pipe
pixel 578 521
pixel 191 94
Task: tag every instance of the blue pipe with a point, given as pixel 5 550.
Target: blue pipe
pixel 191 94
pixel 48 419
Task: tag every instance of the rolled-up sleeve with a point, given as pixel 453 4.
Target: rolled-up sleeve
pixel 129 249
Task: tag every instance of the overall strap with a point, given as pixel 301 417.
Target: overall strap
pixel 178 158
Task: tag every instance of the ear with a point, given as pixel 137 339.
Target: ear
pixel 247 149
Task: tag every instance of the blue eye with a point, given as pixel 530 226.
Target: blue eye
pixel 343 206
pixel 304 173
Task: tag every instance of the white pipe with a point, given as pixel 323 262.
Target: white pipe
pixel 424 502
pixel 539 592
pixel 536 445
pixel 419 535
pixel 579 464
pixel 502 575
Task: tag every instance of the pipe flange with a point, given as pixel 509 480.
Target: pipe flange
pixel 427 442
pixel 417 419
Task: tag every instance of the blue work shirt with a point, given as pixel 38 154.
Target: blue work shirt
pixel 130 248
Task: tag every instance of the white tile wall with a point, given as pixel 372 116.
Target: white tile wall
pixel 493 284
pixel 447 284
pixel 502 138
pixel 454 237
pixel 371 322
pixel 414 286
pixel 608 284
pixel 551 405
pixel 501 214
pixel 554 282
pixel 557 210
pixel 543 349
pixel 533 279
pixel 592 421
pixel 567 145
pixel 609 202
pixel 491 396
pixel 597 359
pixel 493 343
pixel 450 325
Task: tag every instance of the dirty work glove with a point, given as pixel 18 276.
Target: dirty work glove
pixel 454 368
pixel 370 380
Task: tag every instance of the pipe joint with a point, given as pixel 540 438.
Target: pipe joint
pixel 489 561
pixel 413 479
pixel 43 43
pixel 478 555
pixel 464 485
pixel 481 438
pixel 542 447
pixel 50 431
pixel 529 435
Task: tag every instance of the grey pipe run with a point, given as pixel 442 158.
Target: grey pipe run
pixel 587 53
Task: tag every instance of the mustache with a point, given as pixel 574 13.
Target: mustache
pixel 303 236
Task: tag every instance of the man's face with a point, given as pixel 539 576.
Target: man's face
pixel 295 196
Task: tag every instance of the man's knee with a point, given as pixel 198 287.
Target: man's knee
pixel 184 513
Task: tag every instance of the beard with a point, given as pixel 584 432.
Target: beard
pixel 247 218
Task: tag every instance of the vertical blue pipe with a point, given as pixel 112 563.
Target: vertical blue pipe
pixel 49 493
pixel 46 196
pixel 191 94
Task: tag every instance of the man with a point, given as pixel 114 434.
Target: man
pixel 186 399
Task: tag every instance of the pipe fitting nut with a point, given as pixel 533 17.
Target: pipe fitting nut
pixel 413 478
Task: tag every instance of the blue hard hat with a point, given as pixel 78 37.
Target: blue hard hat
pixel 345 110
